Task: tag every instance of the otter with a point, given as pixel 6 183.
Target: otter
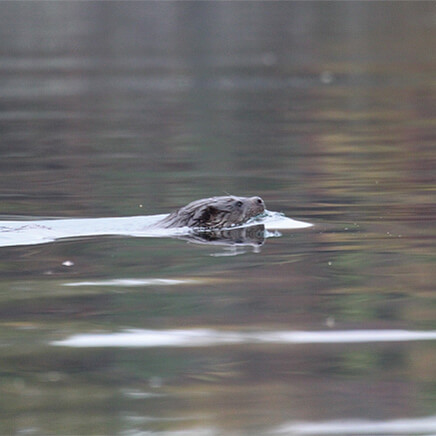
pixel 214 213
pixel 208 220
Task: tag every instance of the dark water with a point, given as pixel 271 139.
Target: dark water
pixel 327 111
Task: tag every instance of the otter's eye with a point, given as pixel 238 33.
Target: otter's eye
pixel 238 203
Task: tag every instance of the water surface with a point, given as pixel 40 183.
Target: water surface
pixel 124 110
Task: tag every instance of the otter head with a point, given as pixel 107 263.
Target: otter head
pixel 216 212
pixel 219 212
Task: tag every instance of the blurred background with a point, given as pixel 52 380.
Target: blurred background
pixel 325 109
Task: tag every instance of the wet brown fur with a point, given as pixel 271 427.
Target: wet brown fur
pixel 215 212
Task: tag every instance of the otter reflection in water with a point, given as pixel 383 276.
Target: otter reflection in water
pixel 252 236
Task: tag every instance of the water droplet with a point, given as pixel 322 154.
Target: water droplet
pixel 330 321
pixel 326 77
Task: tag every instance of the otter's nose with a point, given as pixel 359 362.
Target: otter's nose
pixel 258 201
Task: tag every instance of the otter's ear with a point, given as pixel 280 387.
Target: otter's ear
pixel 206 214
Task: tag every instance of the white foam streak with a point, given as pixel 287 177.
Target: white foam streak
pixel 130 282
pixel 421 426
pixel 211 338
pixel 283 223
pixel 15 233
